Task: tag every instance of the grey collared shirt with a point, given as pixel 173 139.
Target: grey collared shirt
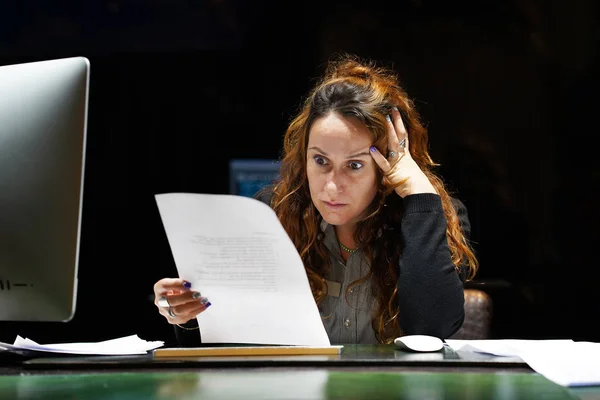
pixel 430 292
pixel 347 310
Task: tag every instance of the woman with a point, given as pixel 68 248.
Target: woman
pixel 384 245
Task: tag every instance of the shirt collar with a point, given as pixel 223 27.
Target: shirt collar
pixel 330 239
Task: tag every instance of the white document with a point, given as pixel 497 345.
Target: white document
pixel 577 365
pixel 234 250
pixel 127 345
pixel 562 361
pixel 506 347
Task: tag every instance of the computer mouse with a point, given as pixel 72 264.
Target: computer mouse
pixel 419 343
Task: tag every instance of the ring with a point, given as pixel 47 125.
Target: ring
pixel 171 313
pixel 392 154
pixel 403 143
pixel 163 302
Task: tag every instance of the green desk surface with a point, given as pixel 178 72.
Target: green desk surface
pixel 304 384
pixel 360 372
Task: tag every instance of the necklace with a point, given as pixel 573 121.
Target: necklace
pixel 346 249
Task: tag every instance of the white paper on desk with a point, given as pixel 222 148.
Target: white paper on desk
pixel 575 365
pixel 234 250
pixel 508 347
pixel 127 345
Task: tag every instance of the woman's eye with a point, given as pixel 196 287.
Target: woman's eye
pixel 320 160
pixel 355 165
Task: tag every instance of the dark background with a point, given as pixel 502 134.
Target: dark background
pixel 178 88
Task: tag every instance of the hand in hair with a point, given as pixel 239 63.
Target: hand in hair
pixel 400 170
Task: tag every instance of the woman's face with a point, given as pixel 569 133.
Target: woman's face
pixel 341 173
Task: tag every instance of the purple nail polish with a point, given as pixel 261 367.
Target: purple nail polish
pixel 187 285
pixel 372 149
pixel 207 305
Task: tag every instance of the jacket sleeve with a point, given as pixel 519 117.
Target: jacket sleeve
pixel 189 335
pixel 430 291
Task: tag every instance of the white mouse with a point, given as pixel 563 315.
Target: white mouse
pixel 420 343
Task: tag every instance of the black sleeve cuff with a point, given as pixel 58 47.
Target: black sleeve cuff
pixel 423 202
pixel 189 335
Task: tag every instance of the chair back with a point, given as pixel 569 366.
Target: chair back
pixel 478 316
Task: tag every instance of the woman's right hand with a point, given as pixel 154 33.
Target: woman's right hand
pixel 177 302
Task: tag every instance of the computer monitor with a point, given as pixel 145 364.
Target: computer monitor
pixel 248 176
pixel 43 123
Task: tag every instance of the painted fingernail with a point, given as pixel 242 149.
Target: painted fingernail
pixel 389 119
pixel 372 149
pixel 196 295
pixel 187 284
pixel 207 305
pixel 204 300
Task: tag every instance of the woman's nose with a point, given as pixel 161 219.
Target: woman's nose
pixel 332 184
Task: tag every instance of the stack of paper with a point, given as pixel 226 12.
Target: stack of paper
pixel 508 347
pixel 122 346
pixel 577 365
pixel 562 361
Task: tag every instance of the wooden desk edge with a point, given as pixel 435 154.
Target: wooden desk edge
pixel 246 351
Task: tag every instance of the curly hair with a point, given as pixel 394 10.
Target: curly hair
pixel 352 86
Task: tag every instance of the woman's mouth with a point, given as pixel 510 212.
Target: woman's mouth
pixel 334 205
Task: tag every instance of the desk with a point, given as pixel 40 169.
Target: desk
pixel 360 372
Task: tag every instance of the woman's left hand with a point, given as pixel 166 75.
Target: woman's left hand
pixel 399 168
